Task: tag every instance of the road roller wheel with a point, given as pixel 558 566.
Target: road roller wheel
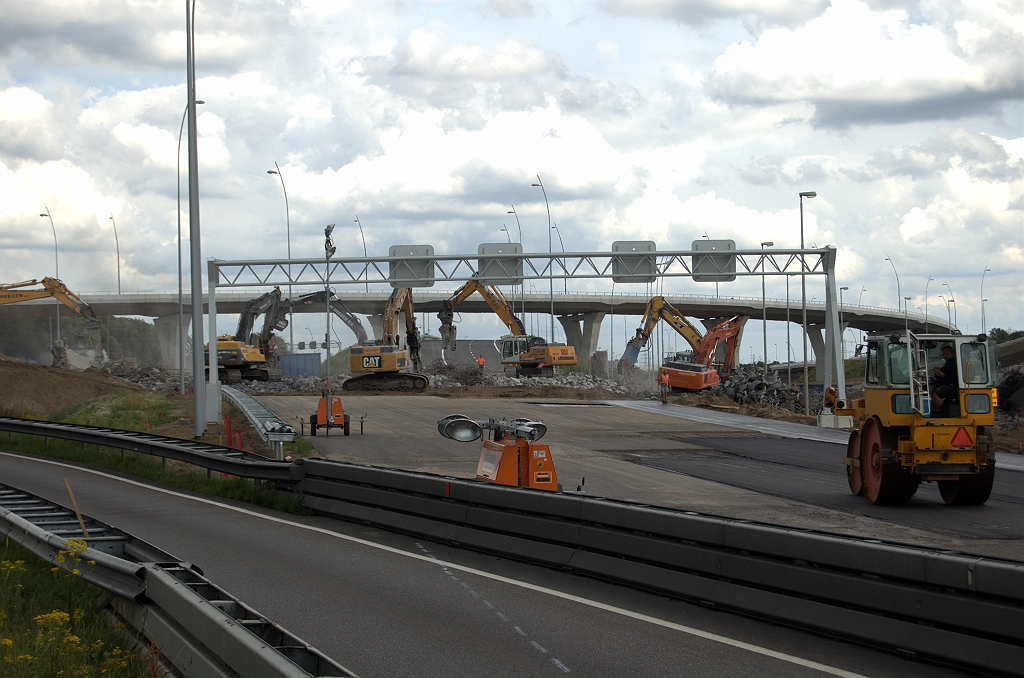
pixel 969 490
pixel 853 473
pixel 883 483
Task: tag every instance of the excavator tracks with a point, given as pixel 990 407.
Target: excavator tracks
pixel 376 382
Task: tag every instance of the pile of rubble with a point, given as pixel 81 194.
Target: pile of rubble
pixel 444 375
pixel 748 387
pixel 294 385
pixel 161 379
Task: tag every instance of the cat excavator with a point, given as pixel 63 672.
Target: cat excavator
pixel 52 287
pixel 251 356
pixel 381 365
pixel 657 309
pixel 528 355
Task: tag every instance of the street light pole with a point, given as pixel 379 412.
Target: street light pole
pixel 789 348
pixel 926 301
pixel 117 249
pixel 983 328
pixel 842 331
pixel 507 234
pixel 181 305
pixel 860 297
pixel 196 258
pixel 952 300
pixel 366 267
pixel 803 302
pixel 764 306
pixel 56 261
pixel 329 250
pixel 288 222
pixel 522 285
pixel 562 245
pixel 899 295
pixel 551 268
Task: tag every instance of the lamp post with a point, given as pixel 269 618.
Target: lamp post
pixel 56 261
pixel 952 300
pixel 898 293
pixel 196 258
pixel 982 295
pixel 926 303
pixel 764 306
pixel 803 302
pixel 551 268
pixel 789 348
pixel 562 245
pixel 366 268
pixel 181 305
pixel 329 250
pixel 842 332
pixel 860 297
pixel 288 222
pixel 507 235
pixel 522 285
pixel 117 250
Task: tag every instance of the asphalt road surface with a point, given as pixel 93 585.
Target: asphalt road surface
pixel 807 471
pixel 647 455
pixel 385 604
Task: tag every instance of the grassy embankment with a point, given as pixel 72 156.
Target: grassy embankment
pixel 142 412
pixel 49 625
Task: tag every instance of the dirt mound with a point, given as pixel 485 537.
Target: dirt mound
pixel 42 391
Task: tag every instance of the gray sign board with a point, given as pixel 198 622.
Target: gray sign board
pixel 414 271
pixel 500 270
pixel 639 268
pixel 714 267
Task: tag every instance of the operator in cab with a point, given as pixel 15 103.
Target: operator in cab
pixel 944 381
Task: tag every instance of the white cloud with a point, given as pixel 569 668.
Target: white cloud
pixel 856 65
pixel 701 12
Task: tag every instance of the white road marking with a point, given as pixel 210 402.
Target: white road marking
pixel 560 665
pixel 664 623
pixel 537 645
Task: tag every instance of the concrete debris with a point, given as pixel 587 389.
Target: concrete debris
pixel 475 377
pixel 1011 389
pixel 747 387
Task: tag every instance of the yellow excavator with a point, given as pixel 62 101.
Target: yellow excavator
pixel 51 287
pixel 657 309
pixel 381 365
pixel 526 354
pixel 251 356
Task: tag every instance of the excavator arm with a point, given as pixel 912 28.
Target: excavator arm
pixel 657 309
pixel 401 302
pixel 728 332
pixel 494 298
pixel 268 304
pixel 337 306
pixel 12 294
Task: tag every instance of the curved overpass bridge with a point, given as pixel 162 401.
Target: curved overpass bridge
pixel 579 313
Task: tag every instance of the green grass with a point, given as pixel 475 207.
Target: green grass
pixel 129 411
pixel 300 448
pixel 49 625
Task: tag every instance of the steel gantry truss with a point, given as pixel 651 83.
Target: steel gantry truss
pixel 424 269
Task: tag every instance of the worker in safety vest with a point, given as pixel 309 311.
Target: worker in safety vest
pixel 665 388
pixel 480 361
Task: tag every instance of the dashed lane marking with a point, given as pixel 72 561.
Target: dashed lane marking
pixel 597 605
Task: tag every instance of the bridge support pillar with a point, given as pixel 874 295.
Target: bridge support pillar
pixel 168 340
pixel 817 341
pixel 376 325
pixel 584 339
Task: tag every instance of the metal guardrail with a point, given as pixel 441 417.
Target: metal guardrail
pixel 939 606
pixel 201 630
pixel 267 424
pixel 212 457
pixel 935 605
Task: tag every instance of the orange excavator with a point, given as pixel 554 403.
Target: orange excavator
pixel 698 371
pixel 529 355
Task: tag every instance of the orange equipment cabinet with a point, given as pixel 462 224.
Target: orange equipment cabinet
pixel 517 462
pixel 336 418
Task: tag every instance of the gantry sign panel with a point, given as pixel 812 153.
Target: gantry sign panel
pixel 714 267
pixel 500 270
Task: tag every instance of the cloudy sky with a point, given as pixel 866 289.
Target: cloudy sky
pixel 646 119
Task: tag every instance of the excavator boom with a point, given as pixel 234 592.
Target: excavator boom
pixel 16 292
pixel 657 309
pixel 494 298
pixel 337 306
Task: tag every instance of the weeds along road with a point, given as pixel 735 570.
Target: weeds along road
pixel 385 604
pixel 647 455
